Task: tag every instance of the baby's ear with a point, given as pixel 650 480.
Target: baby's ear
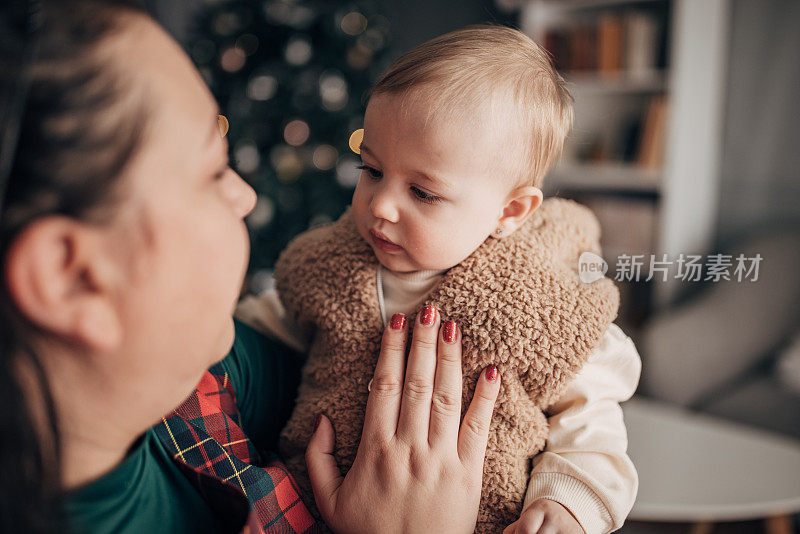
pixel 520 204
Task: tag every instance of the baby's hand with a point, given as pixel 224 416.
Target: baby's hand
pixel 542 516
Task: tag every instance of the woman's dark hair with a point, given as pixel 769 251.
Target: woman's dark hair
pixel 79 128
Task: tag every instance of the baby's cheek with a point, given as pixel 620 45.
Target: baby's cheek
pixel 359 219
pixel 434 255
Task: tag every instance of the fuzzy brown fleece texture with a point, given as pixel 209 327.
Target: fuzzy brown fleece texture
pixel 519 303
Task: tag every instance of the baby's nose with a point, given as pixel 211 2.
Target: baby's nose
pixel 384 207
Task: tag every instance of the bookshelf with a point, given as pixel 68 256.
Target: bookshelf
pixel 648 81
pixel 654 82
pixel 606 177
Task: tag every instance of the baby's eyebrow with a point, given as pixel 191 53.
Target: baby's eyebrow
pixel 363 148
pixel 438 182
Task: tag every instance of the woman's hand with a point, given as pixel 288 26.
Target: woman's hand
pixel 415 470
pixel 545 516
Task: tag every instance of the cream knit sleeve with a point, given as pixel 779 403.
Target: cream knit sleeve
pixel 265 313
pixel 584 465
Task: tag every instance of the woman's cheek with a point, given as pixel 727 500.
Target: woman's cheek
pixel 237 252
pixel 221 251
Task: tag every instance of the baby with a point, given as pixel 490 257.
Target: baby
pixel 447 219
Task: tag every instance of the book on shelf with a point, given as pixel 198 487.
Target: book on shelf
pixel 641 50
pixel 609 44
pixel 613 43
pixel 651 143
pixel 584 55
pixel 636 140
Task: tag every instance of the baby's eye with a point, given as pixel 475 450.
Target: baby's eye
pixel 374 173
pixel 423 196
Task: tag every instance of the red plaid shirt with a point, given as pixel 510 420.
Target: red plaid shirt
pixel 205 437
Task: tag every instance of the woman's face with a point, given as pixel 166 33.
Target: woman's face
pixel 180 231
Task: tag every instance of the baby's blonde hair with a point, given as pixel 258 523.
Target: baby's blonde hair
pixel 458 73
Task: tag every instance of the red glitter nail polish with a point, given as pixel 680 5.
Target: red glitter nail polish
pixel 491 373
pixel 398 321
pixel 449 331
pixel 428 315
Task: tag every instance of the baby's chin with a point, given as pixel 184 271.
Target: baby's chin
pixel 401 263
pixel 392 262
pixel 398 263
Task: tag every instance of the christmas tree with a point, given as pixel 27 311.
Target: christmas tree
pixel 291 77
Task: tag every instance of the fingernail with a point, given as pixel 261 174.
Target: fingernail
pixel 427 315
pixel 398 321
pixel 449 331
pixel 317 421
pixel 491 373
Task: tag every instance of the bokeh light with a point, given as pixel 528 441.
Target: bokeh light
pixel 353 23
pixel 231 59
pixel 226 23
pixel 325 157
pixel 262 87
pixel 286 162
pixel 333 90
pixel 262 213
pixel 246 156
pixel 296 132
pixel 373 39
pixel 277 12
pixel 347 172
pixel 359 57
pixel 298 51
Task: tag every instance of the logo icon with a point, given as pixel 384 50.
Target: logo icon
pixel 591 267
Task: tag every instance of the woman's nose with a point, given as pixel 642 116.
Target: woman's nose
pixel 383 205
pixel 241 195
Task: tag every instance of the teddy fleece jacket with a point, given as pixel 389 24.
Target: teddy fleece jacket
pixel 585 464
pixel 519 303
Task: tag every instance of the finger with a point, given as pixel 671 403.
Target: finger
pixel 530 523
pixel 322 468
pixel 474 432
pixel 383 403
pixel 512 528
pixel 415 407
pixel 446 401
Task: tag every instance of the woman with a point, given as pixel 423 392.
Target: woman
pixel 124 248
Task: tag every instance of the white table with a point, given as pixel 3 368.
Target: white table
pixel 703 469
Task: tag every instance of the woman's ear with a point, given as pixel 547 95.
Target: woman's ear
pixel 520 204
pixel 61 278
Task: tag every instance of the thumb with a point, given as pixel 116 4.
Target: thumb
pixel 322 469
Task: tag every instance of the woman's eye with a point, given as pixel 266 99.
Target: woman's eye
pixel 423 196
pixel 221 172
pixel 374 173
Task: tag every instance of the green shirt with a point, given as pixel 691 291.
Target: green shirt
pixel 148 493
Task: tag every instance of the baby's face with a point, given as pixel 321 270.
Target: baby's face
pixel 426 197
